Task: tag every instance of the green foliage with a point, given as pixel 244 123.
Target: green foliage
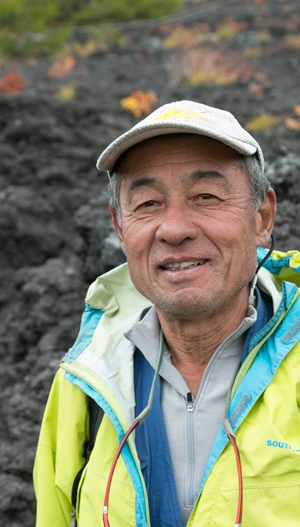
pixel 227 32
pixel 31 27
pixel 123 10
pixel 27 15
pixel 34 45
pixel 40 15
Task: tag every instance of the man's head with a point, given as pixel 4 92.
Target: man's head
pixel 195 118
pixel 192 216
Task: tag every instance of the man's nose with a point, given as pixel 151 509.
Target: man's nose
pixel 177 224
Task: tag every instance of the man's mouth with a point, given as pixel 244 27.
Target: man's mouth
pixel 175 266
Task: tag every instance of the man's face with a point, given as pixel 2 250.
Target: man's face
pixel 188 226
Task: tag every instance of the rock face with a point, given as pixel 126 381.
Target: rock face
pixel 56 235
pixel 98 249
pixel 284 175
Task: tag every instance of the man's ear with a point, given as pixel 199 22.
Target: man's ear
pixel 265 218
pixel 118 228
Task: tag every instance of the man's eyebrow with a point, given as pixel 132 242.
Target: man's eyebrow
pixel 145 181
pixel 205 174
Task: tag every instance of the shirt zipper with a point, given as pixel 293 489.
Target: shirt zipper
pixel 191 450
pixel 191 496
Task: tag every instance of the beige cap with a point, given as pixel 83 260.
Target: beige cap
pixel 184 117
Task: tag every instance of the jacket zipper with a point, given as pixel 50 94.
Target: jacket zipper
pixel 190 449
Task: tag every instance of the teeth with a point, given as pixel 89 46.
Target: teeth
pixel 173 266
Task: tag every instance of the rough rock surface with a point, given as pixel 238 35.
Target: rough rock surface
pixel 55 231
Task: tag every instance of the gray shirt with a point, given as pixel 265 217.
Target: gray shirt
pixel 191 425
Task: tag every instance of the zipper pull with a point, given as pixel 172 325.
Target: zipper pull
pixel 190 402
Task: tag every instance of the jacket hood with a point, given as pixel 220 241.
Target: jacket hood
pixel 103 358
pixel 283 266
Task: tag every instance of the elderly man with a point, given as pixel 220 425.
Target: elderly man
pixel 185 354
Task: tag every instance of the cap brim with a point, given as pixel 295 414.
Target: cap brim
pixel 138 134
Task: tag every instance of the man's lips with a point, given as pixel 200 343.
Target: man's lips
pixel 179 266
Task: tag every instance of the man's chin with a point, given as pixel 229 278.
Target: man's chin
pixel 185 309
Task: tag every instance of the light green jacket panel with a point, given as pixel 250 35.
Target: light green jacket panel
pixel 58 458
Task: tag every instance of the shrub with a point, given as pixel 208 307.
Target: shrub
pixel 230 29
pixel 204 66
pixel 139 103
pixel 12 83
pixel 262 122
pixel 32 44
pixel 66 93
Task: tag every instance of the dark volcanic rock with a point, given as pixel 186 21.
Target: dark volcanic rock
pixel 30 227
pixel 35 332
pixel 284 175
pixel 287 227
pixel 99 248
pixel 51 299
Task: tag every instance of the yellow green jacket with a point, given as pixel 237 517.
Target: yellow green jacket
pixel 263 412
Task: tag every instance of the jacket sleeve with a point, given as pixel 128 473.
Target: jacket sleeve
pixel 58 458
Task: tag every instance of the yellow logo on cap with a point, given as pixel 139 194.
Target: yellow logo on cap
pixel 179 114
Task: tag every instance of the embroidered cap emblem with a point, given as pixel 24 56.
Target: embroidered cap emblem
pixel 179 114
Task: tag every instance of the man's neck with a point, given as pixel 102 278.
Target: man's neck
pixel 192 343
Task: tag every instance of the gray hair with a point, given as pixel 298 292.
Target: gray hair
pixel 114 186
pixel 250 165
pixel 258 181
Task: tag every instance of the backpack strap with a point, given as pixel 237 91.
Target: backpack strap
pixel 96 416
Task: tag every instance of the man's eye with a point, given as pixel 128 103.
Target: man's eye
pixel 149 203
pixel 205 196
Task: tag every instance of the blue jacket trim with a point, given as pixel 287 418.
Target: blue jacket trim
pixel 262 371
pixel 289 291
pixel 153 450
pixel 264 314
pixel 89 322
pixel 141 520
